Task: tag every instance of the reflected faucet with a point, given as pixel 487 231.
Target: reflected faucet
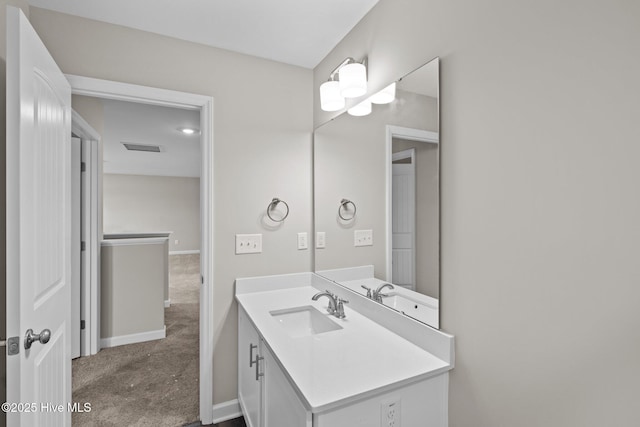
pixel 336 304
pixel 377 294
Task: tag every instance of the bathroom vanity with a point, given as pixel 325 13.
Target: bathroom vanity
pixel 298 365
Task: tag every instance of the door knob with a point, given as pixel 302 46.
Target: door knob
pixel 30 337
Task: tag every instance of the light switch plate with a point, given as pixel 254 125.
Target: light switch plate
pixel 321 241
pixel 303 241
pixel 248 243
pixel 363 238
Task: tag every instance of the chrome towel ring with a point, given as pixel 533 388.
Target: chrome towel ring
pixel 274 203
pixel 344 206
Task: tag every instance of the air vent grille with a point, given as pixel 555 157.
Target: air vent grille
pixel 141 147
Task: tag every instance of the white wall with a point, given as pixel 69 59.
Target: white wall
pixel 262 131
pixel 141 203
pixel 540 207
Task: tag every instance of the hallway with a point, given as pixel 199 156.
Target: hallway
pixel 153 383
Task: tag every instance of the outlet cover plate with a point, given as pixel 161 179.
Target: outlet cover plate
pixel 390 413
pixel 321 240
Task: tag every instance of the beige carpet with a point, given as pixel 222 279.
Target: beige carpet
pixel 153 383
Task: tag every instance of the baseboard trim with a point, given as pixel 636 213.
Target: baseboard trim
pixel 226 411
pixel 133 338
pixel 196 251
pixel 167 303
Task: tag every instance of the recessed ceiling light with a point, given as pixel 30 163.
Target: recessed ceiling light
pixel 189 131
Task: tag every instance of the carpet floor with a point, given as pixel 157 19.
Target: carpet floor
pixel 153 383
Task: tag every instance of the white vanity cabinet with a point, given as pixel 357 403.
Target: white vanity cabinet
pixel 265 395
pixel 249 379
pixel 299 366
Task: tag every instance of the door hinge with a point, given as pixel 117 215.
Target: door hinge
pixel 83 167
pixel 81 324
pixel 12 344
pixel 82 246
pixel 202 280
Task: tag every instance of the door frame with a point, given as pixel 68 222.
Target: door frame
pixel 411 135
pixel 406 154
pixel 91 233
pixel 99 88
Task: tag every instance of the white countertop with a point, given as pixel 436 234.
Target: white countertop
pixel 335 368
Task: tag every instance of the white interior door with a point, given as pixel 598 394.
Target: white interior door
pixel 38 229
pixel 403 199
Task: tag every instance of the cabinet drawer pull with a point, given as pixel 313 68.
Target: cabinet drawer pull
pixel 258 373
pixel 251 347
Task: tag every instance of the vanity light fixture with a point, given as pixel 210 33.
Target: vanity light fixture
pixel 362 109
pixel 353 80
pixel 385 96
pixel 330 98
pixel 189 131
pixel 347 80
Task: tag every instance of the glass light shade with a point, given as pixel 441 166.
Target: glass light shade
pixel 385 96
pixel 330 98
pixel 362 109
pixel 353 80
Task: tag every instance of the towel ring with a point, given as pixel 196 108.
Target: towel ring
pixel 275 202
pixel 343 206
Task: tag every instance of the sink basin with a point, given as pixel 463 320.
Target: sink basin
pixel 412 308
pixel 304 321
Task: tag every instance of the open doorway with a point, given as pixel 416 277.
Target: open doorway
pixel 150 275
pixel 131 211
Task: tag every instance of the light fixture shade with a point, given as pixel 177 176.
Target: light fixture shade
pixel 353 80
pixel 362 109
pixel 330 98
pixel 385 96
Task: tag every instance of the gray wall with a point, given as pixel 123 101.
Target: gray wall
pixel 3 195
pixel 137 203
pixel 132 288
pixel 262 131
pixel 539 106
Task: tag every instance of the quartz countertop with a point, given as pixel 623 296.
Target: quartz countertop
pixel 335 368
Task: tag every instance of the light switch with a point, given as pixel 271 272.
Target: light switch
pixel 303 242
pixel 320 240
pixel 363 238
pixel 248 243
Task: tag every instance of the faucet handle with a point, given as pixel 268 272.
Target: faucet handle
pixel 368 290
pixel 340 310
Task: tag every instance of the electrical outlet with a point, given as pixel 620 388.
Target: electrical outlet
pixel 321 241
pixel 363 238
pixel 303 241
pixel 248 243
pixel 390 414
pixel 176 242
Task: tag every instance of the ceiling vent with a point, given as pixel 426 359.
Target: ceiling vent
pixel 140 147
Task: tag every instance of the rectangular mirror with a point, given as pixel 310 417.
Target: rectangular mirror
pixel 377 199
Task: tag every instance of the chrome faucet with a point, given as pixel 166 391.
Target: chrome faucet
pixel 336 304
pixel 377 294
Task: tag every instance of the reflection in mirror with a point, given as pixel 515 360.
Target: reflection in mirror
pixel 386 164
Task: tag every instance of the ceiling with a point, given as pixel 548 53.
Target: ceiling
pixel 297 32
pixel 150 125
